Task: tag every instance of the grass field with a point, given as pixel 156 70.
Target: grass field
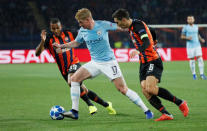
pixel 28 91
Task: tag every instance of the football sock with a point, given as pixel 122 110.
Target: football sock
pixel 75 94
pixel 165 94
pixel 201 65
pixel 93 96
pixel 84 96
pixel 192 66
pixel 133 96
pixel 157 104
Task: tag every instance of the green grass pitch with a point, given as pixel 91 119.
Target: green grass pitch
pixel 28 91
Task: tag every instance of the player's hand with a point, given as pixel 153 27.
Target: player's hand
pixel 202 41
pixel 58 50
pixel 43 35
pixel 56 45
pixel 155 42
pixel 134 53
pixel 189 38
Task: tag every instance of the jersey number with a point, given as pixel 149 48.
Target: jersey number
pixel 151 67
pixel 73 67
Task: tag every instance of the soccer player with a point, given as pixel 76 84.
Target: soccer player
pixel 191 35
pixel 151 66
pixel 68 62
pixel 95 34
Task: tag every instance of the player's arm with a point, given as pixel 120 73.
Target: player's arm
pixel 201 39
pixel 71 44
pixel 183 34
pixel 120 29
pixel 141 31
pixel 184 37
pixel 41 47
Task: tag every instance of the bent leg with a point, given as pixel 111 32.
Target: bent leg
pixel 132 95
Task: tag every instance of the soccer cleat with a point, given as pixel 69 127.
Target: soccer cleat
pixel 149 114
pixel 194 77
pixel 110 109
pixel 71 114
pixel 165 117
pixel 92 109
pixel 203 77
pixel 184 108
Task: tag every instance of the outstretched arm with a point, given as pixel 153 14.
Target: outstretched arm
pixel 40 47
pixel 71 44
pixel 185 37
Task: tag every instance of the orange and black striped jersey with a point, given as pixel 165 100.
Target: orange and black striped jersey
pixel 65 57
pixel 143 41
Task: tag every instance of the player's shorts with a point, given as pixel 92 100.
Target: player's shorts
pixel 192 52
pixel 72 69
pixel 152 68
pixel 110 69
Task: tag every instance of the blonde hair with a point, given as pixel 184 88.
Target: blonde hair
pixel 83 14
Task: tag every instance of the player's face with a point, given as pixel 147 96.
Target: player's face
pixel 56 28
pixel 190 19
pixel 121 23
pixel 86 23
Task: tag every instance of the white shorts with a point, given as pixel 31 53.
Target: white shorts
pixel 110 69
pixel 192 52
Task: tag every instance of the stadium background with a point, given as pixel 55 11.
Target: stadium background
pixel 22 20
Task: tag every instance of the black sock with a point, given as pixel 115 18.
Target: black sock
pixel 92 95
pixel 168 96
pixel 157 104
pixel 84 96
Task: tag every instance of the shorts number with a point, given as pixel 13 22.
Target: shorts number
pixel 151 67
pixel 114 69
pixel 73 67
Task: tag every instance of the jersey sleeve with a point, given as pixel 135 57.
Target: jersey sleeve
pixel 183 31
pixel 109 25
pixel 79 37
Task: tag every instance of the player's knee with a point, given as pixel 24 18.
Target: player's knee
pixel 122 89
pixel 74 79
pixel 150 88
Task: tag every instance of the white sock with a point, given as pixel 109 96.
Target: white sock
pixel 201 65
pixel 75 94
pixel 133 96
pixel 192 66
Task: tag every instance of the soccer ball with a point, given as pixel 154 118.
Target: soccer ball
pixel 55 112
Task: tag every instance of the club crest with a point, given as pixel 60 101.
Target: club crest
pixel 99 32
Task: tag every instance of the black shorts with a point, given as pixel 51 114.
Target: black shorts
pixel 152 68
pixel 72 69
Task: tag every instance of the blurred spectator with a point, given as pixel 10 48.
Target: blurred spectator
pixel 18 24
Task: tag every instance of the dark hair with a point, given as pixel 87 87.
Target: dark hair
pixel 54 20
pixel 121 13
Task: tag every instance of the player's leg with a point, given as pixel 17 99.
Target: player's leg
pixel 132 95
pixel 76 79
pixel 93 96
pixel 190 54
pixel 154 100
pixel 200 62
pixel 83 92
pixel 112 71
pixel 151 87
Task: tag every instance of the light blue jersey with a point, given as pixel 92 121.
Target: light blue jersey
pixel 97 40
pixel 193 32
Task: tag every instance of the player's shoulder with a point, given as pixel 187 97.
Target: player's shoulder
pixel 66 30
pixel 49 34
pixel 102 22
pixel 137 22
